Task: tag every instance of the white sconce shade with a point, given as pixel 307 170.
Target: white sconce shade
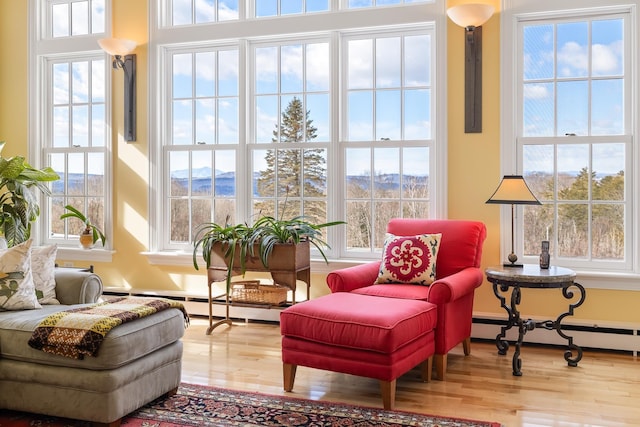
pixel 117 47
pixel 121 50
pixel 470 15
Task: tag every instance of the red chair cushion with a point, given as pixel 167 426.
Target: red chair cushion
pixel 359 321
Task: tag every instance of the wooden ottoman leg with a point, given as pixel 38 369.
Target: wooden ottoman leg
pixel 441 366
pixel 388 391
pixel 288 375
pixel 466 346
pixel 427 367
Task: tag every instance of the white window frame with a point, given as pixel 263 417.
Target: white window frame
pixel 246 31
pixel 43 49
pixel 608 275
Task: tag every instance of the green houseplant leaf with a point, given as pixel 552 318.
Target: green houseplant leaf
pixel 18 203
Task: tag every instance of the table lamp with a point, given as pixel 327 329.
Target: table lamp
pixel 513 190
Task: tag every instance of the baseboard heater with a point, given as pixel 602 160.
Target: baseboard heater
pixel 614 336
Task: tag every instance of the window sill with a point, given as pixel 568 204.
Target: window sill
pixel 79 254
pixel 185 259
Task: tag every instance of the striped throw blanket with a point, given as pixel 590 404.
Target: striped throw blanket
pixel 79 332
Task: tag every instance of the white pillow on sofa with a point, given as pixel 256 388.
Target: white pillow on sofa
pixel 43 265
pixel 17 290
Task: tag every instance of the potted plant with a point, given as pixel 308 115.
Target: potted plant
pixel 19 206
pixel 241 244
pixel 91 232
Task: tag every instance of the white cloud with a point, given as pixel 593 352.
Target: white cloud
pixel 607 59
pixel 573 60
pixel 534 91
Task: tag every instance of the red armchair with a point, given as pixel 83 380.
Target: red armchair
pixel 458 274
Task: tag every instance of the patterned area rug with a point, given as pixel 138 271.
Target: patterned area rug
pixel 196 405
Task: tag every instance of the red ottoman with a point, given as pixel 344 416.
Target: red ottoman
pixel 364 335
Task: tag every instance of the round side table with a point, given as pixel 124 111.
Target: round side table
pixel 531 276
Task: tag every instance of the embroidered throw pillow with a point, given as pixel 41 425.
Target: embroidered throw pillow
pixel 409 259
pixel 17 290
pixel 43 267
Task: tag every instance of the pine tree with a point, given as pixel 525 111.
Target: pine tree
pixel 294 175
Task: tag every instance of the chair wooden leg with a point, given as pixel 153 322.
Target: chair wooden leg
pixel 388 391
pixel 441 366
pixel 427 367
pixel 466 346
pixel 288 375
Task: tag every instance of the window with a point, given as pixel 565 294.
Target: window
pixel 374 3
pixel 187 12
pixel 75 18
pixel 334 124
pixel 388 134
pixel 574 136
pixel 265 8
pixel 70 95
pixel 201 156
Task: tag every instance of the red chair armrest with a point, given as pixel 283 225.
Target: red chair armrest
pixel 348 279
pixel 457 285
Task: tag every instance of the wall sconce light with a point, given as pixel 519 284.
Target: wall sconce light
pixel 471 17
pixel 120 50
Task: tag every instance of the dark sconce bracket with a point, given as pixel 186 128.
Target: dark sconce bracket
pixel 471 16
pixel 473 80
pixel 128 66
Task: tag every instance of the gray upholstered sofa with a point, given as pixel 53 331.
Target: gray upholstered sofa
pixel 138 361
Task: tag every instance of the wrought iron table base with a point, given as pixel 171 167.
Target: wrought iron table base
pixel 525 325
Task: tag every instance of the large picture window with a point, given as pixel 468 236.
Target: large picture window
pixel 331 124
pixel 72 111
pixel 574 138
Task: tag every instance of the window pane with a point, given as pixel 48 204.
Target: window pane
pixel 98 136
pixel 80 81
pixel 360 64
pixel 97 16
pixel 60 17
pixel 315 175
pixel 538 52
pixel 289 7
pixel 388 115
pixel 205 74
pixel 573 104
pixel 95 179
pixel 607 109
pixel 291 66
pixel 228 73
pixel 573 172
pixel 388 53
pixel 266 116
pixel 182 122
pixel 205 121
pixel 179 218
pixel 417 114
pixel 76 179
pixel 61 83
pixel 267 70
pixel 573 60
pixel 79 18
pixel 81 126
pixel 360 116
pixel 417 59
pixel 415 175
pixel 573 223
pixel 386 163
pixel 182 76
pixel 179 173
pixel 607 47
pixel 202 175
pixel 61 126
pixel 182 12
pixel 317 59
pixel 228 126
pixel 607 228
pixel 225 176
pixel 318 112
pixel 205 11
pixel 97 81
pixel 266 8
pixel 608 171
pixel 227 10
pixel 538 109
pixel 538 167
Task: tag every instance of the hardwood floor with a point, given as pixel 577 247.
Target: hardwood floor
pixel 602 391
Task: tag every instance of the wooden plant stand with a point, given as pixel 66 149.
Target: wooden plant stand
pixel 288 263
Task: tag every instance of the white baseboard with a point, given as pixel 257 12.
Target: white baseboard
pixel 616 336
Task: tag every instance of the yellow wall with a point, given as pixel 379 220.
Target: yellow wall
pixel 473 162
